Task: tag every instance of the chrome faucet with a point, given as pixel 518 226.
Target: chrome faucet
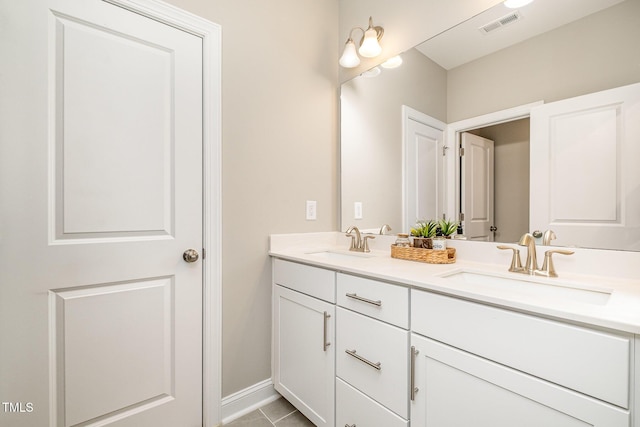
pixel 531 265
pixel 358 244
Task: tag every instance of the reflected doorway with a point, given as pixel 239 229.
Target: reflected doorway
pixel 511 177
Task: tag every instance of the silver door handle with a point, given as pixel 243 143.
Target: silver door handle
pixel 414 389
pixel 190 255
pixel 377 303
pixel 352 353
pixel 325 344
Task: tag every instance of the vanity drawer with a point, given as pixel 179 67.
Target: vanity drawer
pixel 389 303
pixel 375 343
pixel 592 362
pixel 313 281
pixel 355 409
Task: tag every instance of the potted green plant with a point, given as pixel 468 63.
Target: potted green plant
pixel 447 228
pixel 423 232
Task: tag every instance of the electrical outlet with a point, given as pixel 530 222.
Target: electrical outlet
pixel 311 210
pixel 357 210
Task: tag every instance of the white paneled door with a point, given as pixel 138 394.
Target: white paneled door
pixel 585 178
pixel 477 190
pixel 422 169
pixel 101 194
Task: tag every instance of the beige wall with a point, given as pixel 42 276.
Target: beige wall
pixel 595 53
pixel 279 149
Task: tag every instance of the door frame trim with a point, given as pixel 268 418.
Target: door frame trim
pixel 452 179
pixel 210 33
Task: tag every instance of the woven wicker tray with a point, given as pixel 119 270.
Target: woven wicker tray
pixel 430 256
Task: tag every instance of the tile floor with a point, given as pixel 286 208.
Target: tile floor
pixel 279 413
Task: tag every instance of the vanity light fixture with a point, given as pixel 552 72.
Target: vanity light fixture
pixel 369 45
pixel 514 4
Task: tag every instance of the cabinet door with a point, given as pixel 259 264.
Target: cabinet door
pixel 456 389
pixel 304 350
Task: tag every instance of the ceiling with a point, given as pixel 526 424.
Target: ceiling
pixel 466 41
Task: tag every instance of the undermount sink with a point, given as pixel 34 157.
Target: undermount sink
pixel 529 286
pixel 340 255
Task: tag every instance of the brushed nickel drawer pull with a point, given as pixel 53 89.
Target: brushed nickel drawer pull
pixel 414 389
pixel 325 344
pixel 352 353
pixel 349 425
pixel 367 300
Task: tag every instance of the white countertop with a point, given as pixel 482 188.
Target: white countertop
pixel 600 273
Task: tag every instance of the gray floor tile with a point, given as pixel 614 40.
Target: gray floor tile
pixel 277 409
pixel 294 420
pixel 252 419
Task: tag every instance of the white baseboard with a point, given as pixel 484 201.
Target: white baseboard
pixel 244 401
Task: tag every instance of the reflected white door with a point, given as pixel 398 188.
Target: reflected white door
pixel 585 178
pixel 422 167
pixel 101 190
pixel 477 190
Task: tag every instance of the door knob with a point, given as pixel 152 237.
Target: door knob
pixel 190 255
pixel 493 228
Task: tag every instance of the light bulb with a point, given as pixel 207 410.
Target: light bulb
pixel 370 46
pixel 349 58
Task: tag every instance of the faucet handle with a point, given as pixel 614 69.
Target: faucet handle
pixel 548 269
pixel 365 244
pixel 516 264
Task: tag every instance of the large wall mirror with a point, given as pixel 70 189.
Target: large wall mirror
pixel 502 60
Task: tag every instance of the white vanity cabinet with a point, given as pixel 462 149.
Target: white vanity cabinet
pixel 304 340
pixel 483 366
pixel 349 350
